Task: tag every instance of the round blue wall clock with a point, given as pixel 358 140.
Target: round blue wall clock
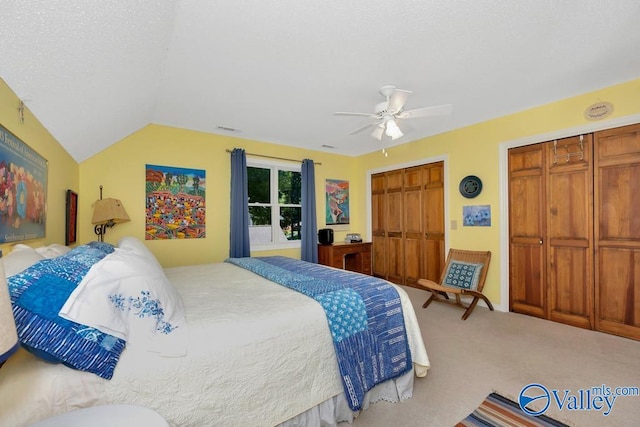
pixel 470 186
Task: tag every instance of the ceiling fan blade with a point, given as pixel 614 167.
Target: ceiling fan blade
pixel 438 110
pixel 345 113
pixel 405 126
pixel 360 129
pixel 397 100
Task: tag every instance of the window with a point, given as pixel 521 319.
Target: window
pixel 275 210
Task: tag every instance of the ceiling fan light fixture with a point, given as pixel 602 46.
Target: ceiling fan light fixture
pixel 386 113
pixel 392 130
pixel 378 131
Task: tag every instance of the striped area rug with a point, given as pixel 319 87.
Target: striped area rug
pixel 498 411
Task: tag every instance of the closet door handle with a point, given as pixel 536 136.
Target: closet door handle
pixel 541 241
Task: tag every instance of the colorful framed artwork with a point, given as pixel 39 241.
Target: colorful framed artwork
pixel 337 202
pixel 175 203
pixel 476 216
pixel 23 190
pixel 71 218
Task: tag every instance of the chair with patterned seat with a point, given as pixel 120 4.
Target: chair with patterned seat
pixel 464 275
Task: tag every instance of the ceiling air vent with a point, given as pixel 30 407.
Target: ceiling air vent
pixel 227 129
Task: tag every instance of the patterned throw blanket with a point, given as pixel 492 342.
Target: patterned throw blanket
pixel 38 293
pixel 364 315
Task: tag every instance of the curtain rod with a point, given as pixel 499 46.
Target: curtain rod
pixel 274 157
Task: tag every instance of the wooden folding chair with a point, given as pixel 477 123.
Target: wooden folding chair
pixel 464 274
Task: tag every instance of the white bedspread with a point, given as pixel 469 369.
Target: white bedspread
pixel 258 354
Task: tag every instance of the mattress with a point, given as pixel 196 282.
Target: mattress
pixel 258 354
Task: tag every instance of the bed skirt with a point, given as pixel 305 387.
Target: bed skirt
pixel 336 409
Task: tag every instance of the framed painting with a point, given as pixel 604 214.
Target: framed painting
pixel 337 203
pixel 71 218
pixel 175 203
pixel 23 190
pixel 476 216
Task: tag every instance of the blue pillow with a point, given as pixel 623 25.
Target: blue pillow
pixel 38 293
pixel 105 247
pixel 463 275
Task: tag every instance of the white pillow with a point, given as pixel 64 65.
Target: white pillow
pixel 53 250
pixel 136 245
pixel 127 295
pixel 19 259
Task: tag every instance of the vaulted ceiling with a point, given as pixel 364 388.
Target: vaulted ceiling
pixel 94 71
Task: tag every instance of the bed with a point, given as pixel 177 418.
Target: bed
pixel 249 351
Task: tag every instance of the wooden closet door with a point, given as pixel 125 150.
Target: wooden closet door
pixel 394 221
pixel 423 197
pixel 433 254
pixel 570 231
pixel 414 235
pixel 617 236
pixel 527 225
pixel 407 224
pixel 378 225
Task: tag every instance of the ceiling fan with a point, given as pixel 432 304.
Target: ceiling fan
pixel 387 114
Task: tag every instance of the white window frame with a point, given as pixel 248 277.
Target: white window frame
pixel 274 166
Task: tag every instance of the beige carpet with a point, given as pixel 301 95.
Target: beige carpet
pixel 503 352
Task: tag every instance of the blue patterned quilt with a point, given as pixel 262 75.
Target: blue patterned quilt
pixel 38 293
pixel 364 315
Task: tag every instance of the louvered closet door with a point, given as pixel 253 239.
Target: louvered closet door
pixel 617 236
pixel 570 231
pixel 527 230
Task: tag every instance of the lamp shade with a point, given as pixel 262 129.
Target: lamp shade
pixel 109 211
pixel 8 334
pixel 393 130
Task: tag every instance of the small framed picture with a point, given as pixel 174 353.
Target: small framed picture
pixel 476 216
pixel 337 203
pixel 71 218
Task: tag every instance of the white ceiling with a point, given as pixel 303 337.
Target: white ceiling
pixel 94 71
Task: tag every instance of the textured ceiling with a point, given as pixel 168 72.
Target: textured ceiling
pixel 94 71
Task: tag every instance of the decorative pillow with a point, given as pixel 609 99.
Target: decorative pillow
pixel 128 295
pixel 463 275
pixel 38 293
pixel 20 258
pixel 53 250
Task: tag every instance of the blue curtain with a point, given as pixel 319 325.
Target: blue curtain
pixel 309 250
pixel 239 245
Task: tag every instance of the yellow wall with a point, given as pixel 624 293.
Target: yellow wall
pixel 63 171
pixel 121 170
pixel 475 150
